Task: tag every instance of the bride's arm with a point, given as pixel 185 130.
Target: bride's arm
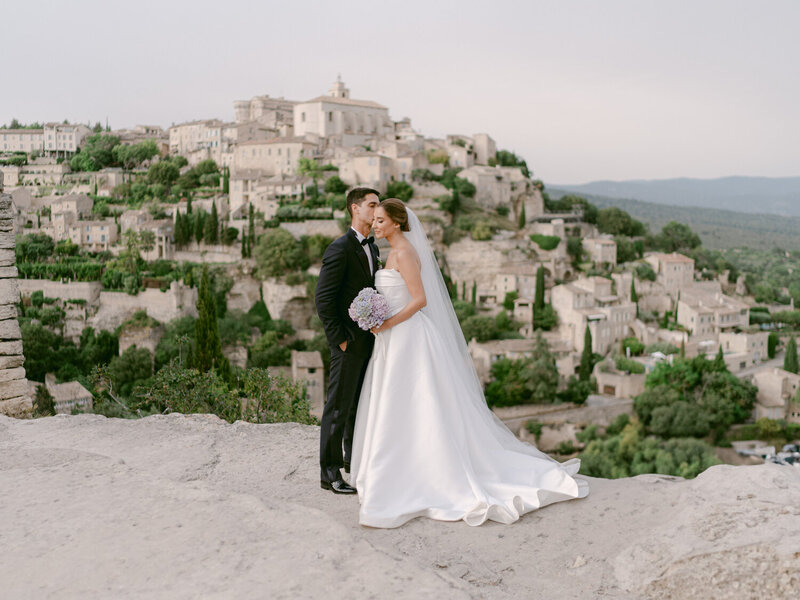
pixel 408 265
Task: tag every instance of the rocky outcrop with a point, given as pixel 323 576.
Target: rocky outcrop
pixel 193 507
pixel 14 400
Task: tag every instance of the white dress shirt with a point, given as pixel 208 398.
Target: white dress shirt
pixel 365 248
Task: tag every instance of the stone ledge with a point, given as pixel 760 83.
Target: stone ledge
pixel 19 407
pixel 11 362
pixel 11 348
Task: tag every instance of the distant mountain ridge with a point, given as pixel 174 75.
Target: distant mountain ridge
pixel 773 195
pixel 718 228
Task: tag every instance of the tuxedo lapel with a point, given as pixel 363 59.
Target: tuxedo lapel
pixel 360 254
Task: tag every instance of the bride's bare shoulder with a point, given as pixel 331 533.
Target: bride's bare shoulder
pixel 407 256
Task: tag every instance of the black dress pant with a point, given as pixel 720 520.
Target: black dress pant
pixel 339 415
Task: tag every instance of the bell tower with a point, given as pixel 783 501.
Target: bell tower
pixel 338 90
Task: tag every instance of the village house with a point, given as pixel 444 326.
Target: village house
pixel 777 392
pixel 705 312
pixel 63 139
pixel 94 235
pixel 601 251
pixel 271 113
pixel 275 156
pixel 22 140
pixel 307 368
pixel 69 396
pixel 590 302
pixel 673 271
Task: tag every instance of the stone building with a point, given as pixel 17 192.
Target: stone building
pixel 590 302
pixel 275 156
pixel 69 396
pixel 22 140
pixel 14 398
pixel 777 390
pixel 272 113
pixel 601 250
pixel 673 271
pixel 64 139
pixel 308 368
pixel 348 121
pixel 706 312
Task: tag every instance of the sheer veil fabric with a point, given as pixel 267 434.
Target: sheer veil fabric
pixel 426 444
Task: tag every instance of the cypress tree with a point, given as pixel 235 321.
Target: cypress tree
pixel 211 226
pixel 244 246
pixel 177 232
pixel 522 218
pixel 790 360
pixel 719 361
pixel 226 181
pixel 538 302
pixel 463 290
pixel 772 344
pixel 585 369
pixel 634 295
pixel 207 347
pixel 251 230
pixel 199 222
pixel 474 292
pixel 682 353
pixel 189 205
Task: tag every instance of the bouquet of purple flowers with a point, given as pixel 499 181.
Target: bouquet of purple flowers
pixel 369 309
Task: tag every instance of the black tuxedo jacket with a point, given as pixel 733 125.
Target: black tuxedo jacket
pixel 345 272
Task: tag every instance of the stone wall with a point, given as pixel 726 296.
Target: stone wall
pixel 117 307
pixel 328 227
pixel 14 399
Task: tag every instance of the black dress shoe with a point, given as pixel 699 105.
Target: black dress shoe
pixel 340 486
pixel 347 467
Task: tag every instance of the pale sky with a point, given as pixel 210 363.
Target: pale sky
pixel 583 90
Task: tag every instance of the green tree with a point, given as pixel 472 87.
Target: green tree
pixel 132 367
pixel 772 344
pixel 164 172
pixel 523 220
pixel 268 352
pixel 538 302
pixel 616 221
pixel 587 362
pixel 718 363
pixel 399 189
pixel 198 224
pixel 211 226
pixel 96 154
pixel 34 247
pixel 677 237
pixel 634 295
pixel 207 351
pixel 308 167
pixel 278 253
pixel 480 328
pixel 474 293
pixel 525 381
pixel 134 155
pixel 335 185
pixel 790 358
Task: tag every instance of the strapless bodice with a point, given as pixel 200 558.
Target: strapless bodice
pixel 391 285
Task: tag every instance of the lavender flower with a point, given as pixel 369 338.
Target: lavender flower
pixel 369 309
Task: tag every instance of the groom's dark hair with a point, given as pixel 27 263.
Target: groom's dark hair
pixel 357 195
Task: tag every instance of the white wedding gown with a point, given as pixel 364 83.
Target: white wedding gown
pixel 424 445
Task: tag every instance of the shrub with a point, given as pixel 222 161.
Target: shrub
pixel 400 189
pixel 626 364
pixel 545 242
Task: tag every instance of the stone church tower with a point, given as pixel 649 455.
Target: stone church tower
pixel 14 398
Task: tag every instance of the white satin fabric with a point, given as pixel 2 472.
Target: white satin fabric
pixel 424 447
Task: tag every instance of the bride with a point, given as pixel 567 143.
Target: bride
pixel 425 442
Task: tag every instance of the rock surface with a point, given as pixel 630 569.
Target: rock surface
pixel 190 506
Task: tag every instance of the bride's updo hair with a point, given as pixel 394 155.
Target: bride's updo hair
pixel 396 210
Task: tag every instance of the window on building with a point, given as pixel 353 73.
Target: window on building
pixel 330 117
pixel 302 117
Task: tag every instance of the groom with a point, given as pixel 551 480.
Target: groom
pixel 348 266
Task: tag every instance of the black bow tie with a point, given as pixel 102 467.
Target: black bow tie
pixel 369 240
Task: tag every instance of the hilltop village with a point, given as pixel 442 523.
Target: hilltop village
pixel 575 317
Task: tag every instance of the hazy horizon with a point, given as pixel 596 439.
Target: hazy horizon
pixel 584 91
